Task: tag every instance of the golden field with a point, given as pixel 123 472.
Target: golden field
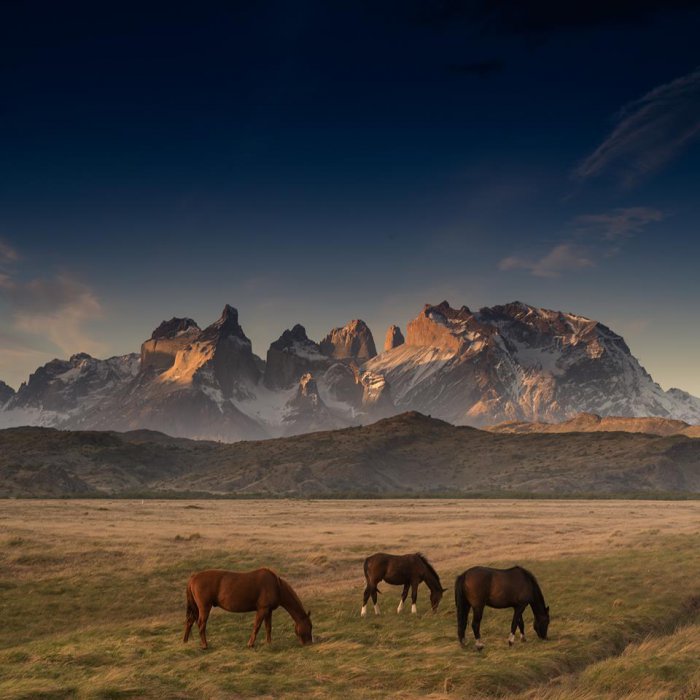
pixel 92 599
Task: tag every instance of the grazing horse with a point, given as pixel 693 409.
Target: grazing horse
pixel 261 591
pixel 407 570
pixel 499 588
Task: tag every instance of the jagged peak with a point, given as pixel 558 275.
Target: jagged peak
pixel 225 326
pixel 174 327
pixel 354 340
pixel 290 337
pixel 79 357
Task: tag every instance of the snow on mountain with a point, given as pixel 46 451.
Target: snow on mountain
pixel 502 364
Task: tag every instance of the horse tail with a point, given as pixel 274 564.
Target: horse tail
pixel 462 607
pixel 366 570
pixel 192 612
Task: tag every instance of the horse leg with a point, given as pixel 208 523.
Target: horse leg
pixel 204 611
pixel 414 596
pixel 374 600
pixel 521 626
pixel 365 598
pixel 517 616
pixel 476 624
pixel 268 626
pixel 403 597
pixel 259 617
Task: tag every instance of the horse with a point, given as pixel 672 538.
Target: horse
pixel 407 570
pixel 499 588
pixel 261 591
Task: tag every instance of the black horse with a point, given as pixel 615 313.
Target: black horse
pixel 499 588
pixel 407 570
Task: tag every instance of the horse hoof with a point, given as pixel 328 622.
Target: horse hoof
pixel 510 644
pixel 479 646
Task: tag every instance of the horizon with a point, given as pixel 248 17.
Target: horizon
pixel 317 163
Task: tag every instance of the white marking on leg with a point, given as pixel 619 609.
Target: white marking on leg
pixel 400 608
pixel 479 645
pixel 376 608
pixel 363 612
pixel 414 609
pixel 511 639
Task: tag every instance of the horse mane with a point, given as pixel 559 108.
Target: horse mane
pixel 536 590
pixel 290 592
pixel 429 566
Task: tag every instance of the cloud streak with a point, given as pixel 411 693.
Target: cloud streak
pixel 592 237
pixel 47 314
pixel 650 132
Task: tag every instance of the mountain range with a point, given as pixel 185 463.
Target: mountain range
pixel 511 364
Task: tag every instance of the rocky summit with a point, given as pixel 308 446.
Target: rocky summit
pixel 514 364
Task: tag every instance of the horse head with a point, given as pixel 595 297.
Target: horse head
pixel 303 629
pixel 541 623
pixel 436 597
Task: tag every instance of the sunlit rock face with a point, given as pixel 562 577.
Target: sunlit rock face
pixel 353 341
pixel 292 355
pixel 394 338
pixel 159 351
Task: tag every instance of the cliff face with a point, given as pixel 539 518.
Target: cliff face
pixel 292 355
pixel 159 351
pixel 394 338
pixel 353 341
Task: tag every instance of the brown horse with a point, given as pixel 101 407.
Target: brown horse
pixel 406 570
pixel 499 588
pixel 261 591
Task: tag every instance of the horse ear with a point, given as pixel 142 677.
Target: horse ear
pixel 308 613
pixel 547 609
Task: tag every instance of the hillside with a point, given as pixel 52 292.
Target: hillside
pixel 409 454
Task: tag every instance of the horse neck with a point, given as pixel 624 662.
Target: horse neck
pixel 538 605
pixel 289 600
pixel 430 579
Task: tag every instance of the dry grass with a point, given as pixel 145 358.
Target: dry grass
pixel 92 593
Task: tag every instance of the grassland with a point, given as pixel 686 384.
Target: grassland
pixel 92 599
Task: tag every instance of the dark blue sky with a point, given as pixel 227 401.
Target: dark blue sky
pixel 319 161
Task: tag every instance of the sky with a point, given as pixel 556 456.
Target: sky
pixel 315 162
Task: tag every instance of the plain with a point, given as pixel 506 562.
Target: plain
pixel 92 599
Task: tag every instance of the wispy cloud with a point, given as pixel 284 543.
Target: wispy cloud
pixel 563 257
pixel 45 315
pixel 649 133
pixel 617 224
pixel 590 237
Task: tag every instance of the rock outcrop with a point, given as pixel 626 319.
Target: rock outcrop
pixel 353 341
pixel 306 412
pixel 6 393
pixel 394 338
pixel 376 396
pixel 292 355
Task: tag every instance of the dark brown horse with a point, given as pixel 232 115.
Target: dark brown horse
pixel 261 591
pixel 407 570
pixel 499 588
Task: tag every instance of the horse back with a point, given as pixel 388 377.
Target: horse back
pixel 236 591
pixel 395 569
pixel 497 588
